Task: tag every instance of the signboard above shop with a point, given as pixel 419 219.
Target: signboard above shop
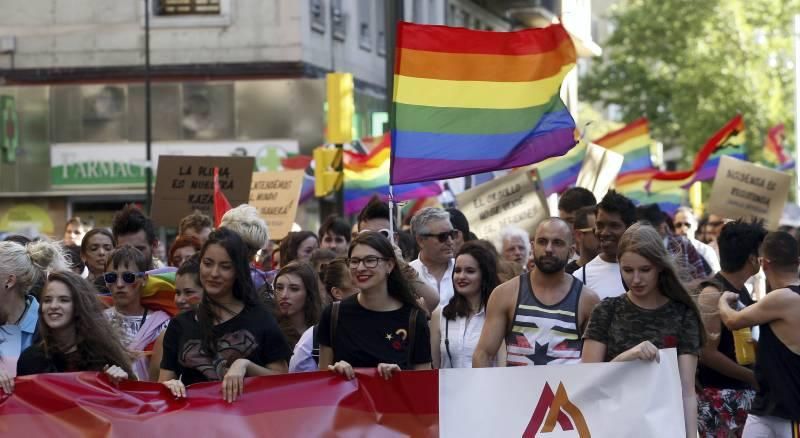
pixel 122 165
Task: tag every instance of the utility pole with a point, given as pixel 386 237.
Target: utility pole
pixel 148 134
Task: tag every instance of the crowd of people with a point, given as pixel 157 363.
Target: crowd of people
pixel 604 282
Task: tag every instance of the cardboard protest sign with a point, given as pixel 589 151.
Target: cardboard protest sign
pixel 599 170
pixel 514 199
pixel 275 195
pixel 744 190
pixel 186 183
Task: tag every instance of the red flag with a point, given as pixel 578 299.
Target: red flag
pixel 732 128
pixel 221 204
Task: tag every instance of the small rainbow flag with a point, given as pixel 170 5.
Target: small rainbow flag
pixel 560 173
pixel 366 175
pixel 468 101
pixel 773 148
pixel 633 142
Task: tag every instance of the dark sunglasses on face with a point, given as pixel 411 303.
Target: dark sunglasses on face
pixel 442 237
pixel 683 224
pixel 127 277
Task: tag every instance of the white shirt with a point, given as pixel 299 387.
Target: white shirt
pixel 602 277
pixel 708 254
pixel 444 287
pixel 302 360
pixel 462 339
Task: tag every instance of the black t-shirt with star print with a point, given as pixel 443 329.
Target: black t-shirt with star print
pixel 364 338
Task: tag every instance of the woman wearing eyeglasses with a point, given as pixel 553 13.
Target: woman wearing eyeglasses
pixel 232 335
pixel 74 334
pixel 298 300
pixel 381 326
pixel 137 326
pixel 456 328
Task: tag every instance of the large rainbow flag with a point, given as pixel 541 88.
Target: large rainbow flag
pixel 470 101
pixel 366 175
pixel 633 142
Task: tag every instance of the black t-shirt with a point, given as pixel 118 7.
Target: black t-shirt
pixel 34 361
pixel 253 334
pixel 365 338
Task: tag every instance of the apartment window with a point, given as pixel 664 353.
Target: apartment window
pixel 418 12
pixel 188 7
pixel 464 19
pixel 364 18
pixel 452 15
pixel 317 14
pixel 338 20
pixel 380 12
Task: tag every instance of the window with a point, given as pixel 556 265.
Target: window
pixel 338 20
pixel 452 15
pixel 380 12
pixel 417 13
pixel 364 18
pixel 188 7
pixel 317 13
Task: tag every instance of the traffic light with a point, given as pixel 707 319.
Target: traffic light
pixel 328 175
pixel 341 108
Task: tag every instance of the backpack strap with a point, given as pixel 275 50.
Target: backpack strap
pixel 412 335
pixel 315 344
pixel 334 321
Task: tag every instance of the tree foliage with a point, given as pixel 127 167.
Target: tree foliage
pixel 689 66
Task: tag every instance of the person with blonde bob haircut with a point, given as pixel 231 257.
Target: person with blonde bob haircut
pixel 245 221
pixel 656 312
pixel 21 268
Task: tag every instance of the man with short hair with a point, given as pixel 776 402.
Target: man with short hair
pixel 688 261
pixel 461 224
pixel 540 314
pixel 585 240
pixel 776 409
pixel 334 234
pixel 685 223
pixel 615 213
pixel 196 225
pixel 572 200
pixel 434 235
pixel 136 325
pixel 131 226
pixel 515 246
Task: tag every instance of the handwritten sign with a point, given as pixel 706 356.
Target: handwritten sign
pixel 599 170
pixel 185 184
pixel 514 199
pixel 275 195
pixel 744 190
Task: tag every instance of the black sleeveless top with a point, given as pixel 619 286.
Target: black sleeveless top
pixel 778 376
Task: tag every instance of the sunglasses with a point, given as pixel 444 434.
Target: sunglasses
pixel 127 277
pixel 683 225
pixel 442 237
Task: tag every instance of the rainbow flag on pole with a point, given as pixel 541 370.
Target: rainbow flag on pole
pixel 633 142
pixel 470 101
pixel 560 173
pixel 368 175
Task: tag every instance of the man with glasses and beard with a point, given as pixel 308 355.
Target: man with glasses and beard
pixel 435 236
pixel 541 314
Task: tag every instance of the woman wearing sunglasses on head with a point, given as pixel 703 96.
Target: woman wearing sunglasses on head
pixel 382 325
pixel 74 334
pixel 456 328
pixel 231 335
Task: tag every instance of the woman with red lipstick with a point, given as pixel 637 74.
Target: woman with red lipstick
pixel 656 312
pixel 231 335
pixel 298 300
pixel 75 336
pixel 455 330
pixel 382 325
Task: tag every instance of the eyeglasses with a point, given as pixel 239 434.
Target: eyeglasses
pixel 127 277
pixel 683 224
pixel 369 262
pixel 442 237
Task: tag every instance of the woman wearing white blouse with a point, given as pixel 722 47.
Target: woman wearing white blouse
pixel 456 328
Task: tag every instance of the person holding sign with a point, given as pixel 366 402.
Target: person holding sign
pixel 615 213
pixel 656 312
pixel 776 409
pixel 541 314
pixel 232 335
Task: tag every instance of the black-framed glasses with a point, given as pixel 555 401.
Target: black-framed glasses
pixel 127 277
pixel 683 225
pixel 442 237
pixel 369 262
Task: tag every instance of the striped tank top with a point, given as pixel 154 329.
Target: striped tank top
pixel 541 334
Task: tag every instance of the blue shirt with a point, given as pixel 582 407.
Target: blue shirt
pixel 14 339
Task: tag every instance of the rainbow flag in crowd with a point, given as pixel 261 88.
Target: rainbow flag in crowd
pixel 366 175
pixel 634 186
pixel 727 141
pixel 471 101
pixel 560 173
pixel 773 148
pixel 633 142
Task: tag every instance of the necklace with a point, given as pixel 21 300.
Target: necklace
pixel 24 311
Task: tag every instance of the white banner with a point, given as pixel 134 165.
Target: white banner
pixel 630 399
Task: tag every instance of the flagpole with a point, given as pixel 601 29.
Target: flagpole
pixel 391 213
pixel 797 106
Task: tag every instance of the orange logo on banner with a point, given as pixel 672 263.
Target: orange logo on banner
pixel 556 408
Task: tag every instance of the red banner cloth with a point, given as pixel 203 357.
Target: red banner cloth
pixel 293 405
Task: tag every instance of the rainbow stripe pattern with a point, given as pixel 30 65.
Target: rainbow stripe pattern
pixel 633 142
pixel 560 173
pixel 468 101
